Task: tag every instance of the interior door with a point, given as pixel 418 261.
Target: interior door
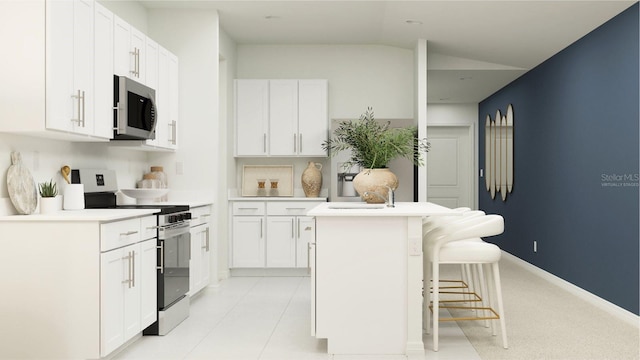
pixel 450 166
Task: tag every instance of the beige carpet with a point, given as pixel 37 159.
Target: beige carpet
pixel 547 322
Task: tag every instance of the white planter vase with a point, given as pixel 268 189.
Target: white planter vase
pixel 375 181
pixel 49 205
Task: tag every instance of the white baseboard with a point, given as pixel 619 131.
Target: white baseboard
pixel 609 307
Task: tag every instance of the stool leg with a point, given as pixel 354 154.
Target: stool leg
pixel 503 327
pixel 483 290
pixel 490 298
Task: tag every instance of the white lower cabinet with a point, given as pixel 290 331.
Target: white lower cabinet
pixel 98 290
pixel 128 285
pixel 248 241
pixel 201 249
pixel 281 244
pixel 271 234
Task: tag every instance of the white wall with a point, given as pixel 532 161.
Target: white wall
pixel 359 75
pixel 193 36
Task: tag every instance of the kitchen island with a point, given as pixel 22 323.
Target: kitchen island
pixel 366 271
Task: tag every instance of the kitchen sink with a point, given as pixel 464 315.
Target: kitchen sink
pixel 357 206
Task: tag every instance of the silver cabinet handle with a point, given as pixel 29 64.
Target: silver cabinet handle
pixel 133 269
pixel 295 139
pixel 206 245
pixel 261 228
pixel 83 110
pixel 298 227
pixel 136 62
pixel 128 233
pixel 300 140
pixel 128 258
pixel 295 208
pixel 264 143
pixel 173 132
pixel 79 97
pixel 293 236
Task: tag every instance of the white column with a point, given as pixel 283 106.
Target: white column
pixel 420 64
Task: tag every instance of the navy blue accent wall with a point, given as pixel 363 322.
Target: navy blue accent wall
pixel 576 153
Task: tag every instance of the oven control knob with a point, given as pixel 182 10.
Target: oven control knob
pixel 187 216
pixel 173 219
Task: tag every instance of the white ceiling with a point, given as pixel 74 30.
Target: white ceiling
pixel 474 47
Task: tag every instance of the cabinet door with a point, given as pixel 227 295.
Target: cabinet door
pixel 138 55
pixel 306 234
pixel 69 65
pixel 103 73
pixel 83 64
pixel 112 273
pixel 313 117
pixel 200 253
pixel 252 117
pixel 148 283
pixel 131 283
pixel 174 103
pixel 122 57
pixel 248 241
pixel 283 117
pixel 281 244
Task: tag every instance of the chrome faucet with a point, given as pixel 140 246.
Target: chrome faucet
pixel 389 200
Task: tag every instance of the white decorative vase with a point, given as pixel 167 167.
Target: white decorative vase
pixel 49 205
pixel 73 197
pixel 375 181
pixel 312 179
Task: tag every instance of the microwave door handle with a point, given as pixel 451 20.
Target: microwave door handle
pixel 155 114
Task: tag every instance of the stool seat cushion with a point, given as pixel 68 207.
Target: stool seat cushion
pixel 469 251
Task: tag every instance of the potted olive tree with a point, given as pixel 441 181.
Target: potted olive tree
pixel 373 145
pixel 48 193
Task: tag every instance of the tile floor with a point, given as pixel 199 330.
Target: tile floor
pixel 264 318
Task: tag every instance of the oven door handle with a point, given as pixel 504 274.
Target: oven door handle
pixel 161 248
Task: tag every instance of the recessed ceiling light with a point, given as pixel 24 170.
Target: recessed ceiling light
pixel 413 22
pixel 271 17
pixel 466 78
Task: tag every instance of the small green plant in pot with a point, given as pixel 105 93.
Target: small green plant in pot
pixel 48 189
pixel 373 145
pixel 48 193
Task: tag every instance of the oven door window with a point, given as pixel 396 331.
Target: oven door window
pixel 177 253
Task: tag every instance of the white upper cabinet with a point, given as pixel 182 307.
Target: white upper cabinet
pixel 166 87
pixel 313 117
pixel 252 117
pixel 54 84
pixel 69 67
pixel 281 117
pixel 103 72
pixel 129 46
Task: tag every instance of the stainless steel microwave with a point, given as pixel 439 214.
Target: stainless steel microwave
pixel 134 110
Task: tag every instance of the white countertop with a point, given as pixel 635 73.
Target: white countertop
pixel 99 215
pixel 400 209
pixel 278 198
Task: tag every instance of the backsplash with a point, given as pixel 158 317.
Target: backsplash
pixel 45 157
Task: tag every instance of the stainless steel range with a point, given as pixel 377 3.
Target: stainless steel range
pixel 173 246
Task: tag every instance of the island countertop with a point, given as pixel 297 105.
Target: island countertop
pixel 360 209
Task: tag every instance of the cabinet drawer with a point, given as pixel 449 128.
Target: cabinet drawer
pixel 118 234
pixel 248 208
pixel 200 215
pixel 148 228
pixel 294 208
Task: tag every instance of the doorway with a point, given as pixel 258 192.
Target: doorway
pixel 450 166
